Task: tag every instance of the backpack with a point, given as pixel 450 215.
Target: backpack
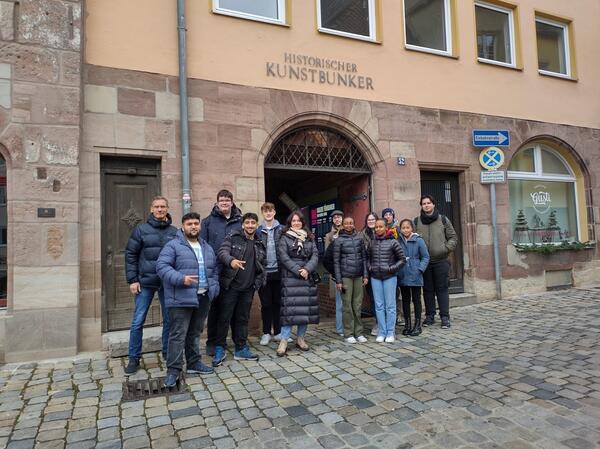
pixel 328 259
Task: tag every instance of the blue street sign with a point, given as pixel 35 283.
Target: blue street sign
pixel 491 137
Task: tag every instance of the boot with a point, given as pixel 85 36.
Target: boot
pixel 406 329
pixel 282 348
pixel 301 344
pixel 416 331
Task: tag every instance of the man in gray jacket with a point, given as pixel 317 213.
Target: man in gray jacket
pixel 441 240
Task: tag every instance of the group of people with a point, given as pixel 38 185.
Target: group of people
pixel 209 270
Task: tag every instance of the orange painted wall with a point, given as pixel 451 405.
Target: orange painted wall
pixel 142 35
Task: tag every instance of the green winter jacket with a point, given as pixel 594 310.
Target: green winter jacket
pixel 440 237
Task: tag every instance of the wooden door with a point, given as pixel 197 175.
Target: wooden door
pixel 128 186
pixel 443 187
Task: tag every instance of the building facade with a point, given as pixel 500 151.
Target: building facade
pixel 357 105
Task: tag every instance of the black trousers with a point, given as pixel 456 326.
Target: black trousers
pixel 435 284
pixel 409 294
pixel 186 326
pixel 270 306
pixel 211 324
pixel 234 309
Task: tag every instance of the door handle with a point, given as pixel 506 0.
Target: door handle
pixel 109 256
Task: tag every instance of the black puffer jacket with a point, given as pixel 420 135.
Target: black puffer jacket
pixel 385 257
pixel 216 227
pixel 142 250
pixel 299 300
pixel 349 256
pixel 234 247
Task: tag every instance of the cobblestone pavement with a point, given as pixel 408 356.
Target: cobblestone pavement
pixel 514 374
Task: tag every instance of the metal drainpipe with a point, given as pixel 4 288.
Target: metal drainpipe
pixel 183 111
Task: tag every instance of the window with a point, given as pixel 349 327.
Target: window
pixel 495 34
pixel 272 11
pixel 351 18
pixel 543 199
pixel 553 47
pixel 427 26
pixel 3 234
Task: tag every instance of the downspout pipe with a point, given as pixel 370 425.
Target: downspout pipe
pixel 183 111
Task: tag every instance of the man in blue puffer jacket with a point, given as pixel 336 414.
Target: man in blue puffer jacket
pixel 188 269
pixel 141 254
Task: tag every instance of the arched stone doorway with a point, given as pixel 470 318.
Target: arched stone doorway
pixel 318 169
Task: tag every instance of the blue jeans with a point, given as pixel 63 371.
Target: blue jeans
pixel 384 292
pixel 339 308
pixel 143 300
pixel 286 331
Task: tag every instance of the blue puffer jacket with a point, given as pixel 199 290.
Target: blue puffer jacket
pixel 216 227
pixel 177 260
pixel 143 248
pixel 417 259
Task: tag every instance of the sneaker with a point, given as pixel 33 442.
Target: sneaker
pixel 132 367
pixel 429 321
pixel 265 339
pixel 219 357
pixel 244 354
pixel 375 331
pixel 351 340
pixel 171 380
pixel 391 339
pixel 200 368
pixel 445 323
pixel 362 339
pixel 380 339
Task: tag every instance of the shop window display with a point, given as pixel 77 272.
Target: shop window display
pixel 543 198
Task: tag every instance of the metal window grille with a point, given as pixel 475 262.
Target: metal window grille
pixel 316 149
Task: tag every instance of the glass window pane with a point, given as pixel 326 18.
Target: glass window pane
pixel 523 161
pixel 349 16
pixel 426 23
pixel 551 48
pixel 551 164
pixel 493 35
pixel 263 8
pixel 542 211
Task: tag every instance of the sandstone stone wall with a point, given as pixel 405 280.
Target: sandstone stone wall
pixel 233 127
pixel 40 61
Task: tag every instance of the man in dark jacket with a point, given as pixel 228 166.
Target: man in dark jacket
pixel 224 219
pixel 270 294
pixel 350 265
pixel 188 268
pixel 440 237
pixel 141 253
pixel 242 256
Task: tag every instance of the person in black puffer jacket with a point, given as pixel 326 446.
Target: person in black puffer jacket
pixel 141 253
pixel 385 259
pixel 298 257
pixel 350 266
pixel 224 219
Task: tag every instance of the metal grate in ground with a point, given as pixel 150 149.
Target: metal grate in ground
pixel 149 388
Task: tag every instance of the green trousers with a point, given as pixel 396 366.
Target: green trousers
pixel 352 300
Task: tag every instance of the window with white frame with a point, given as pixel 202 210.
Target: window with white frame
pixel 427 26
pixel 350 18
pixel 543 197
pixel 495 34
pixel 552 47
pixel 272 11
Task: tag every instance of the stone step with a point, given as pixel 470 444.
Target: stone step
pixel 117 343
pixel 463 299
